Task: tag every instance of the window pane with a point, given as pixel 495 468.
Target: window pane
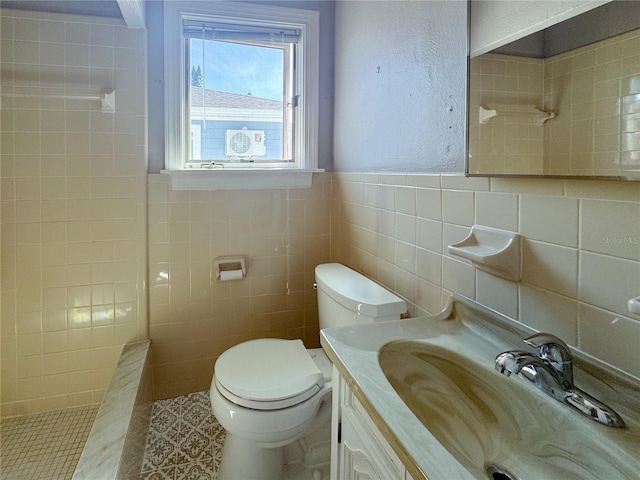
pixel 238 110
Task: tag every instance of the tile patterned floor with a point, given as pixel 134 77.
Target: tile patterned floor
pixel 45 445
pixel 184 441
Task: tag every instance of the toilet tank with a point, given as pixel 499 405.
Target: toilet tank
pixel 346 297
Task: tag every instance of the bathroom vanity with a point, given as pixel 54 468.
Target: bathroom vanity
pixel 359 449
pixel 422 399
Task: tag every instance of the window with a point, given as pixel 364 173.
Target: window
pixel 241 90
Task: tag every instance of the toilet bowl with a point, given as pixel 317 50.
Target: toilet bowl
pixel 273 416
pixel 278 392
pixel 268 393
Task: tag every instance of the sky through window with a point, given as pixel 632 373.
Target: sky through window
pixel 240 68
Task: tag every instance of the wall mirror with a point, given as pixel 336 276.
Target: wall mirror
pixel 560 102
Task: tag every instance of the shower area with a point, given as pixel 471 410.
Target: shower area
pixel 44 445
pixel 126 436
pixel 73 227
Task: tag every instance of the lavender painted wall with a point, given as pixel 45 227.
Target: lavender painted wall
pixel 401 82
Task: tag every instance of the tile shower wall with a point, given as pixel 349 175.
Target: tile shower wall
pixel 73 207
pixel 283 235
pixel 581 255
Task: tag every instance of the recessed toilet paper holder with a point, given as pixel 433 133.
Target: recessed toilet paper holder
pixel 230 267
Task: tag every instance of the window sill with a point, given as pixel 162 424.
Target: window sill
pixel 239 179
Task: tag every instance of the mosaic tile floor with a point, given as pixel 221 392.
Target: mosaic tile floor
pixel 45 445
pixel 184 441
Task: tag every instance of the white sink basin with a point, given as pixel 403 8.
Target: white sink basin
pixel 486 420
pixel 430 383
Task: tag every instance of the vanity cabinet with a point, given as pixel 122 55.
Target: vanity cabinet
pixel 358 449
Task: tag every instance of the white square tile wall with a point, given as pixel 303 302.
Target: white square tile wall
pixel 581 251
pixel 73 207
pixel 194 317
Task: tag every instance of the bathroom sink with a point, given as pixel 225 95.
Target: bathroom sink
pixel 431 386
pixel 499 427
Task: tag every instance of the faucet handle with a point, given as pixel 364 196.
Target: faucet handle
pixel 556 352
pixel 547 344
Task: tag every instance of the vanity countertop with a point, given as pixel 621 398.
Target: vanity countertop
pixel 471 329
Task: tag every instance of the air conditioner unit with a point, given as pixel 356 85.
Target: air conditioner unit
pixel 244 143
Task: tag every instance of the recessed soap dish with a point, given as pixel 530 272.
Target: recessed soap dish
pixel 492 250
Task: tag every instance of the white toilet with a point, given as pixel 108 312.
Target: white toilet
pixel 269 393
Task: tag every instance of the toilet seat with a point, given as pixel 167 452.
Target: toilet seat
pixel 267 374
pixel 265 405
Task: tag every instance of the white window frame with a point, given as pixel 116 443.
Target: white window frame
pixel 196 141
pixel 306 133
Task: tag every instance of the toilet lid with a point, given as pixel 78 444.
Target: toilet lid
pixel 268 370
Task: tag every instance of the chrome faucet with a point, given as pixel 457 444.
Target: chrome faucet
pixel 552 372
pixel 533 368
pixel 555 352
